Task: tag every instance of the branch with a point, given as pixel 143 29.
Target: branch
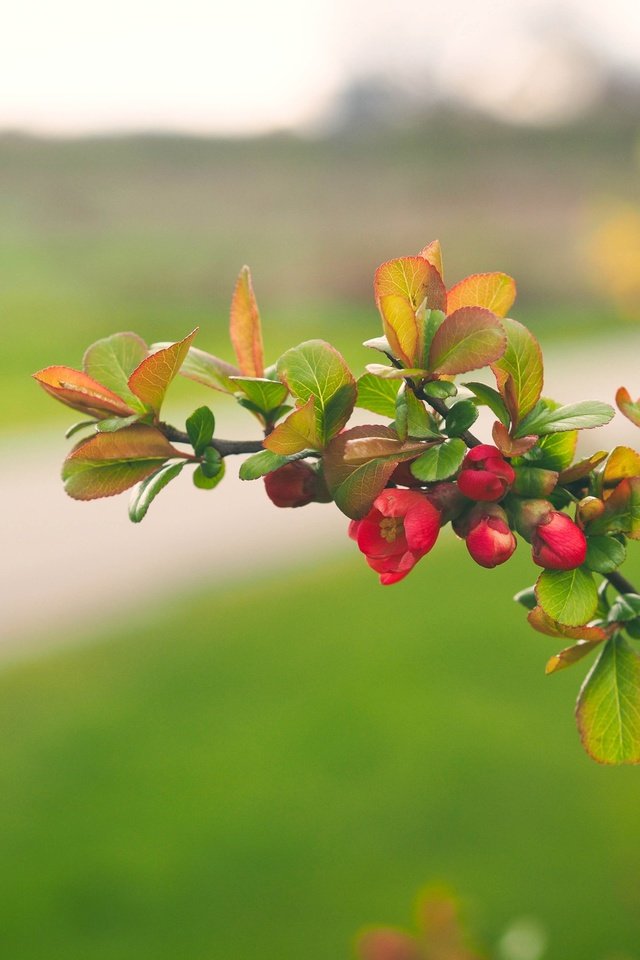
pixel 225 448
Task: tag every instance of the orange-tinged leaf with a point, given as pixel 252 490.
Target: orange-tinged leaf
pixel 622 462
pixel 570 655
pixel 543 623
pixel 151 378
pixel 505 443
pixel 402 328
pixel 495 291
pixel 581 469
pixel 519 371
pixel 433 253
pixel 354 487
pixel 469 338
pixel 621 512
pixel 109 463
pixel 298 432
pixel 627 406
pixel 78 390
pixel 362 449
pixel 245 327
pixel 412 278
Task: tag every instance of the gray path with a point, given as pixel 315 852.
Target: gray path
pixel 65 563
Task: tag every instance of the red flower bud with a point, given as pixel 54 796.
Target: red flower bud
pixel 485 474
pixel 558 543
pixel 489 539
pixel 293 485
pixel 401 527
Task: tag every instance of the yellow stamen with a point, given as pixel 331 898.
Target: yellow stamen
pixel 390 528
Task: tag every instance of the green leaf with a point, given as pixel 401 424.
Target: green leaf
pixel 440 389
pixel 439 462
pixel 519 371
pixel 396 373
pixel 624 608
pixel 412 418
pixel 604 554
pixel 534 481
pixel 111 361
pixel 204 482
pixel 460 417
pixel 206 369
pixel 77 427
pixel 151 378
pixel 568 596
pixel 111 424
pixel 265 394
pixel 212 463
pixel 297 432
pixel 377 395
pixel 109 463
pixel 575 416
pixel 200 426
pixel 556 450
pixel 149 489
pixel 259 464
pixel 469 338
pixel 490 398
pixel 621 511
pixel 316 370
pixel 527 597
pixel 354 487
pixel 608 711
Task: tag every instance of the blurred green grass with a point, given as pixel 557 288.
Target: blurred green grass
pixel 260 771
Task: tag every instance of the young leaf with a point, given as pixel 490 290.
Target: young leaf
pixel 490 398
pixel 266 395
pixel 354 487
pixel 509 447
pixel 111 424
pixel 245 328
pixel 621 511
pixel 604 554
pixel 495 291
pixel 203 481
pixel 212 463
pixel 206 369
pixel 377 395
pixel 76 389
pixel 433 253
pixel 543 623
pixel 78 427
pixel 412 278
pixel 315 369
pixel 151 378
pixel 259 464
pixel 298 432
pixel 527 597
pixel 111 361
pixel 412 417
pixel 575 416
pixel 570 655
pixel 622 462
pixel 519 371
pixel 568 596
pixel 200 426
pixel 581 469
pixel 381 447
pixel 439 462
pixel 608 711
pixel 109 463
pixel 402 328
pixel 394 373
pixel 460 417
pixel 627 406
pixel 149 489
pixel 469 338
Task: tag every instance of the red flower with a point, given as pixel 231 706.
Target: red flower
pixel 293 485
pixel 401 527
pixel 489 540
pixel 485 474
pixel 558 543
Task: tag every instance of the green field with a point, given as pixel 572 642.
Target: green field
pixel 259 772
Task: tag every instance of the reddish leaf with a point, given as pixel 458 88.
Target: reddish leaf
pixel 495 291
pixel 433 253
pixel 298 432
pixel 570 655
pixel 469 338
pixel 543 623
pixel 77 390
pixel 627 406
pixel 151 378
pixel 108 463
pixel 364 449
pixel 507 446
pixel 412 278
pixel 354 487
pixel 245 327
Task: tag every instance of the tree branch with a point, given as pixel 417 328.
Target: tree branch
pixel 226 448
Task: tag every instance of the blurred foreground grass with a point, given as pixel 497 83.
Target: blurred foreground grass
pixel 259 772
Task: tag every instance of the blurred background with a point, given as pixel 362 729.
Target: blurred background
pixel 216 741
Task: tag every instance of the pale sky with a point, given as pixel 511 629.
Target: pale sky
pixel 77 66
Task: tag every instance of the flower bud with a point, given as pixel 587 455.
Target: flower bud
pixel 558 543
pixel 293 485
pixel 485 474
pixel 447 499
pixel 489 539
pixel 528 514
